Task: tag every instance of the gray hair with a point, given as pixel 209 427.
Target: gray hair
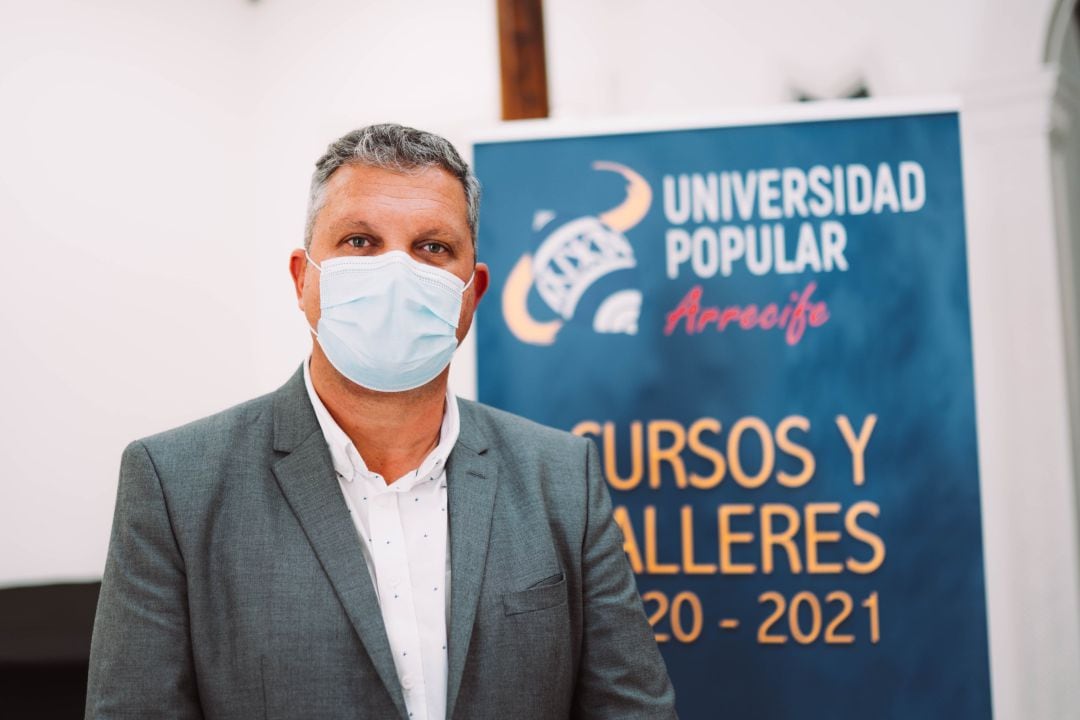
pixel 391 147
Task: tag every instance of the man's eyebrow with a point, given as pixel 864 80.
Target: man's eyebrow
pixel 352 223
pixel 439 233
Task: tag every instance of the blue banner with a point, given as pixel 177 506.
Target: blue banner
pixel 766 331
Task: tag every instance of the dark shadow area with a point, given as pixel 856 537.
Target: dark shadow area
pixel 858 91
pixel 45 649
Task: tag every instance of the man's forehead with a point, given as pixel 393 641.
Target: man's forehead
pixel 358 180
pixel 361 197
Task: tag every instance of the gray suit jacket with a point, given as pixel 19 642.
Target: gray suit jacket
pixel 235 586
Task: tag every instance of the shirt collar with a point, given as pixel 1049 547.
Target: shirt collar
pixel 347 461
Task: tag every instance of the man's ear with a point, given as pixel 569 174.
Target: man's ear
pixel 298 269
pixel 481 280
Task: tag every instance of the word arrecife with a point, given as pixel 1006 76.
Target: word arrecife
pixel 793 318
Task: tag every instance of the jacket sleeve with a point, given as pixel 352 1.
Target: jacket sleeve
pixel 622 674
pixel 140 656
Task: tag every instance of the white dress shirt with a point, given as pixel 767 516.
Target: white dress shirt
pixel 403 532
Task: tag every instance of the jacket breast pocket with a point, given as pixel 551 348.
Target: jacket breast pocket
pixel 546 593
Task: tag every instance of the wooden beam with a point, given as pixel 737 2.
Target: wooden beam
pixel 522 60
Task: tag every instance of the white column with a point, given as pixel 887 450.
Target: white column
pixel 1026 451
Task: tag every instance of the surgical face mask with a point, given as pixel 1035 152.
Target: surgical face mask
pixel 388 322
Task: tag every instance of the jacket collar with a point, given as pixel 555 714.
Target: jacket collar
pixel 472 478
pixel 294 418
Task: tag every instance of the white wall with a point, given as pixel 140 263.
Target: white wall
pixel 123 195
pixel 154 158
pixel 642 56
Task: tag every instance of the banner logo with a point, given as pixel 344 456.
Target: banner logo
pixel 570 259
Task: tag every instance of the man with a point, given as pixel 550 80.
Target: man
pixel 360 543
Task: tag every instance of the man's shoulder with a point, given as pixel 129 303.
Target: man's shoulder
pixel 218 431
pixel 504 429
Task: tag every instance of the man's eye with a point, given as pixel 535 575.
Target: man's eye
pixel 433 247
pixel 358 241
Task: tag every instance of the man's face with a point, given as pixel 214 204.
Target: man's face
pixel 370 211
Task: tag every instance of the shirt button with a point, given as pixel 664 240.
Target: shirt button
pixel 407 682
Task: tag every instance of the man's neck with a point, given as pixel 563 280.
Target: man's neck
pixel 393 432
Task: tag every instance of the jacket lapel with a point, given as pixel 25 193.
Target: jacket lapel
pixel 308 482
pixel 471 482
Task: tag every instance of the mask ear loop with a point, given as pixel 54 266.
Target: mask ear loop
pixel 319 268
